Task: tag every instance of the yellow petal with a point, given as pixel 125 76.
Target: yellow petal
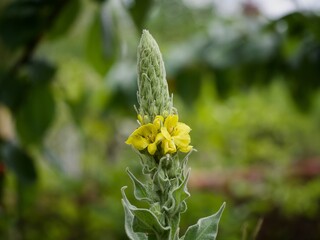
pixel 168 146
pixel 152 148
pixel 186 149
pixel 137 141
pixel 159 138
pixel 158 121
pixel 142 136
pixel 165 133
pixel 149 130
pixel 181 128
pixel 170 122
pixel 182 141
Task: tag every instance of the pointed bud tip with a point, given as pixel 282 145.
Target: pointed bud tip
pixel 147 39
pixel 145 31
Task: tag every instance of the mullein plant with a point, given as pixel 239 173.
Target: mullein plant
pixel 159 141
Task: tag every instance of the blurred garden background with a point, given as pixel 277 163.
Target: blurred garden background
pixel 245 76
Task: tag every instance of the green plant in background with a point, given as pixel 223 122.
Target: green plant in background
pixel 158 141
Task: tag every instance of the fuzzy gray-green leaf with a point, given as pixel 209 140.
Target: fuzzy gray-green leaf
pixel 177 196
pixel 206 228
pixel 129 220
pixel 161 180
pixel 145 221
pixel 140 190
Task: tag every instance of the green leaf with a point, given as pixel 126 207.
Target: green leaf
pixel 186 159
pixel 149 166
pixel 128 222
pixel 100 44
pixel 35 115
pixel 161 180
pixel 144 220
pixel 181 193
pixel 24 21
pixel 189 81
pixel 206 228
pixel 20 22
pixel 140 191
pixel 12 90
pixel 177 196
pixel 65 19
pixel 39 72
pixel 18 161
pixel 139 10
pixel 15 86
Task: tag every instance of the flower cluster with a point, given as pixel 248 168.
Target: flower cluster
pixel 166 135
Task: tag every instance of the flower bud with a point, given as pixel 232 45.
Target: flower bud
pixel 153 94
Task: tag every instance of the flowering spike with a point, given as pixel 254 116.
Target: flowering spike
pixel 158 140
pixel 153 94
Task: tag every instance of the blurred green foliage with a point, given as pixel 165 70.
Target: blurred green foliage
pixel 248 87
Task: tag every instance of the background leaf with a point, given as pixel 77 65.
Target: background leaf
pixel 35 115
pixel 19 161
pixel 139 10
pixel 65 19
pixel 100 43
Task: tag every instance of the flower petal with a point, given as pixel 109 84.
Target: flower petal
pixel 165 133
pixel 168 146
pixel 186 149
pixel 182 140
pixel 152 148
pixel 170 122
pixel 137 141
pixel 181 128
pixel 158 121
pixel 159 138
pixel 142 136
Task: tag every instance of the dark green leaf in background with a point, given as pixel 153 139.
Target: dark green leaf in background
pixel 139 10
pixel 65 19
pixel 100 44
pixel 12 90
pixel 188 84
pixel 18 160
pixel 39 72
pixel 35 115
pixel 22 21
pixel 14 87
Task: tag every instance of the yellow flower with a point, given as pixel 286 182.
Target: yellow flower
pixel 147 136
pixel 175 135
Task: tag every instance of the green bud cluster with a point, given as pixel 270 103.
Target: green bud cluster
pixel 153 94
